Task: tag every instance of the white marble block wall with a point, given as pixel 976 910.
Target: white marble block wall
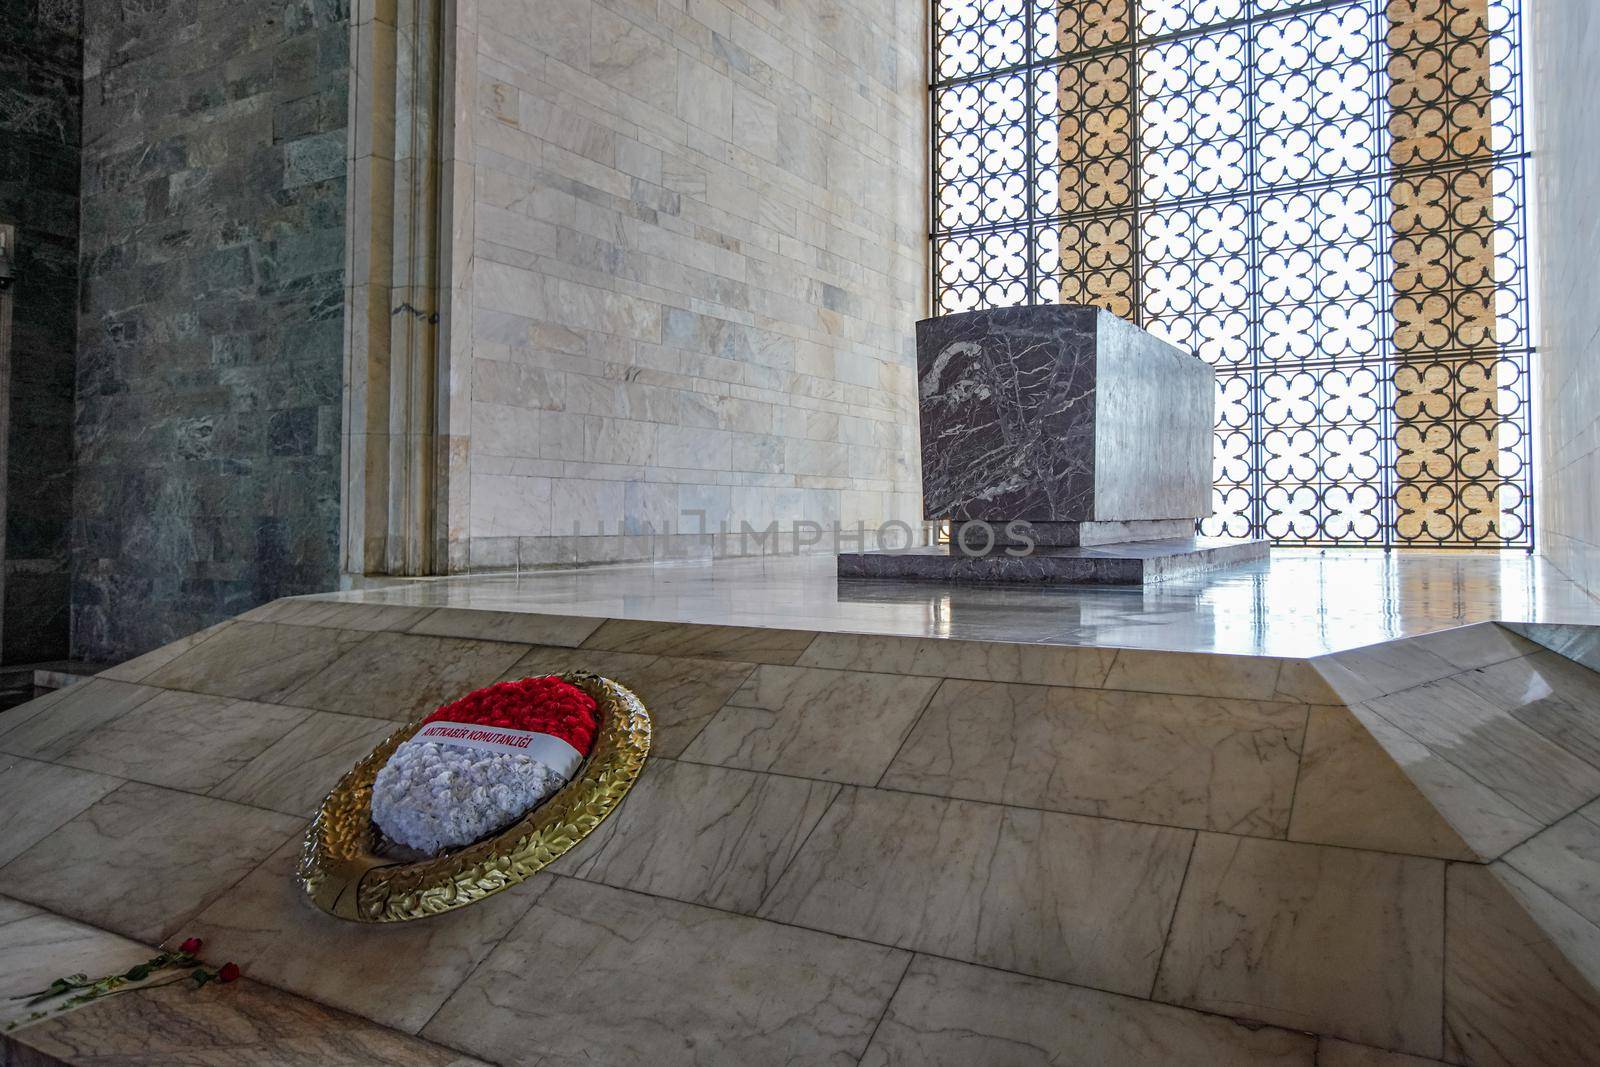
pixel 1565 89
pixel 692 260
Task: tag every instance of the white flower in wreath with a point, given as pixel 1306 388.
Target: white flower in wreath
pixel 436 794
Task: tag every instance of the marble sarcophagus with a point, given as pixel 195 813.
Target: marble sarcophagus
pixel 1066 431
pixel 1061 414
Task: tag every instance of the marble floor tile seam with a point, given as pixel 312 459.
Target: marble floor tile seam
pixel 483 959
pixel 83 756
pixel 1273 702
pixel 1279 663
pixel 759 916
pixel 900 778
pixel 186 792
pixel 1327 1045
pixel 230 787
pixel 208 902
pixel 271 697
pixel 411 629
pixel 914 954
pixel 1545 946
pixel 285 699
pixel 1533 872
pixel 404 667
pixel 208 794
pixel 196 639
pixel 706 723
pixel 688 992
pixel 1036 809
pixel 1579 812
pixel 1169 925
pixel 292 611
pixel 888 1004
pixel 1294 790
pixel 1556 901
pixel 1410 685
pixel 1477 682
pixel 1102 688
pixel 1236 941
pixel 284 987
pixel 794 857
pixel 1453 888
pixel 1466 695
pixel 1172 921
pixel 8 730
pixel 905 739
pixel 910 952
pixel 1205 1013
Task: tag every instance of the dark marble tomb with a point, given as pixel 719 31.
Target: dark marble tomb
pixel 1093 432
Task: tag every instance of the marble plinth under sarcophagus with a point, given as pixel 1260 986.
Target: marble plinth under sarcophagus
pixel 1063 444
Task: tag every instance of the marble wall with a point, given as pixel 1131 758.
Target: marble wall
pixel 40 104
pixel 688 273
pixel 1565 104
pixel 210 327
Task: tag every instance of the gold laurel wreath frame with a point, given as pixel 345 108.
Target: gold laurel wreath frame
pixel 346 878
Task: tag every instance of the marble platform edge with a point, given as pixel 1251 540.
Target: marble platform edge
pixel 849 628
pixel 1497 728
pixel 1304 603
pixel 1445 796
pixel 1575 641
pixel 1126 563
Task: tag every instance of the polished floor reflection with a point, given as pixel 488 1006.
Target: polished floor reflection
pixel 1300 603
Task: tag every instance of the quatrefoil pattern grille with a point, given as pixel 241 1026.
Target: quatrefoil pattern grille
pixel 1321 198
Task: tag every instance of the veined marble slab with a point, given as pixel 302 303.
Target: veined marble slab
pixel 1278 931
pixel 1060 413
pixel 1057 896
pixel 705 835
pixel 595 974
pixel 1177 761
pixel 143 860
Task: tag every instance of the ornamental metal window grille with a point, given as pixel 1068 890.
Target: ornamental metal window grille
pixel 1321 198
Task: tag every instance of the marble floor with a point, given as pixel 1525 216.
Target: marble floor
pixel 847 849
pixel 1300 603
